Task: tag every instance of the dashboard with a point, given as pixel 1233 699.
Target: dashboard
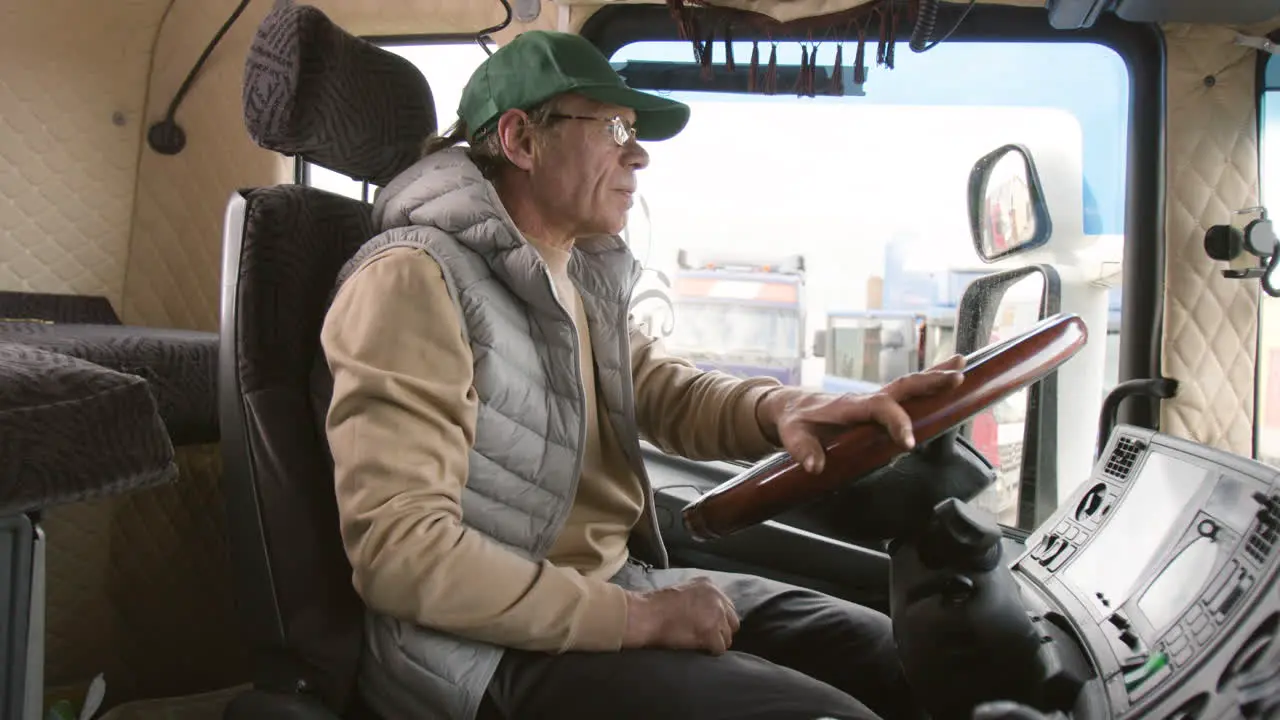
pixel 1162 569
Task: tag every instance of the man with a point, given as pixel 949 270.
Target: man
pixel 489 396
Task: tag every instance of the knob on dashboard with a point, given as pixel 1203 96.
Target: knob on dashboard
pixel 1048 548
pixel 1091 503
pixel 1207 528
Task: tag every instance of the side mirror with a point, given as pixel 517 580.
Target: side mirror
pixel 820 343
pixel 1007 210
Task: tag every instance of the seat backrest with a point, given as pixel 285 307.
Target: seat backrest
pixel 315 92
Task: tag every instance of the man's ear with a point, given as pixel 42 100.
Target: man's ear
pixel 516 134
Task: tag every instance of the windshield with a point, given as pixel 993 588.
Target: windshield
pixel 723 331
pixel 870 347
pixel 871 191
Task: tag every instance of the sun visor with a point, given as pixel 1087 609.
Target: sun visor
pixel 1075 14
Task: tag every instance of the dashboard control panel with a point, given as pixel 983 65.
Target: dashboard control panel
pixel 1164 565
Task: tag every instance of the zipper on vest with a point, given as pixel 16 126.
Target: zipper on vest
pixel 582 411
pixel 633 441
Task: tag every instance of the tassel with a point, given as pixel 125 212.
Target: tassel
pixel 837 72
pixel 859 60
pixel 676 9
pixel 813 71
pixel 681 15
pixel 806 62
pixel 771 73
pixel 708 55
pixel 695 38
pixel 754 71
pixel 893 37
pixel 882 49
pixel 804 70
pixel 728 49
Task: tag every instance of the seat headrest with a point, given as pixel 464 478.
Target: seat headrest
pixel 313 90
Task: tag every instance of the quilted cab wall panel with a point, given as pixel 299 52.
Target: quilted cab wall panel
pixel 1210 323
pixel 72 86
pixel 174 261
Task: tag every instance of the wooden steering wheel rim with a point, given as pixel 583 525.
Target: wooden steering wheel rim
pixel 780 483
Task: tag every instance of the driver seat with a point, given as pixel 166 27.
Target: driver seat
pixel 317 93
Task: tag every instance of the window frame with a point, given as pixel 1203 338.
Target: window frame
pixel 1264 88
pixel 1142 49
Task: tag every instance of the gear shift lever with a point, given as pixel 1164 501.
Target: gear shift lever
pixel 962 632
pixel 959 538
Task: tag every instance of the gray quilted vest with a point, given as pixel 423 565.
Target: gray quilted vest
pixel 525 463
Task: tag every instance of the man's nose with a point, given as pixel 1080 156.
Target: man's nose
pixel 636 156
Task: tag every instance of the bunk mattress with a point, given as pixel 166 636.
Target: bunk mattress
pixel 179 366
pixel 71 430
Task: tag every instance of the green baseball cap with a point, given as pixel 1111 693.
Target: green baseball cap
pixel 540 64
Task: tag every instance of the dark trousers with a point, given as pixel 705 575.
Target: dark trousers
pixel 799 654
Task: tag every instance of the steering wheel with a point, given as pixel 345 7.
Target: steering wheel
pixel 779 483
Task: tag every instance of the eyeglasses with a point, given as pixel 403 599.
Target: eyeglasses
pixel 621 130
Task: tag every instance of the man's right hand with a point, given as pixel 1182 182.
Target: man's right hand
pixel 695 615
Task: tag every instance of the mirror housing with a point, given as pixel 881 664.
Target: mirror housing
pixel 1007 210
pixel 976 316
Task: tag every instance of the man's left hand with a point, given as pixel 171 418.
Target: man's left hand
pixel 803 422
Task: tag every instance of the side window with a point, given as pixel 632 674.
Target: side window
pixel 825 240
pixel 1266 417
pixel 447 65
